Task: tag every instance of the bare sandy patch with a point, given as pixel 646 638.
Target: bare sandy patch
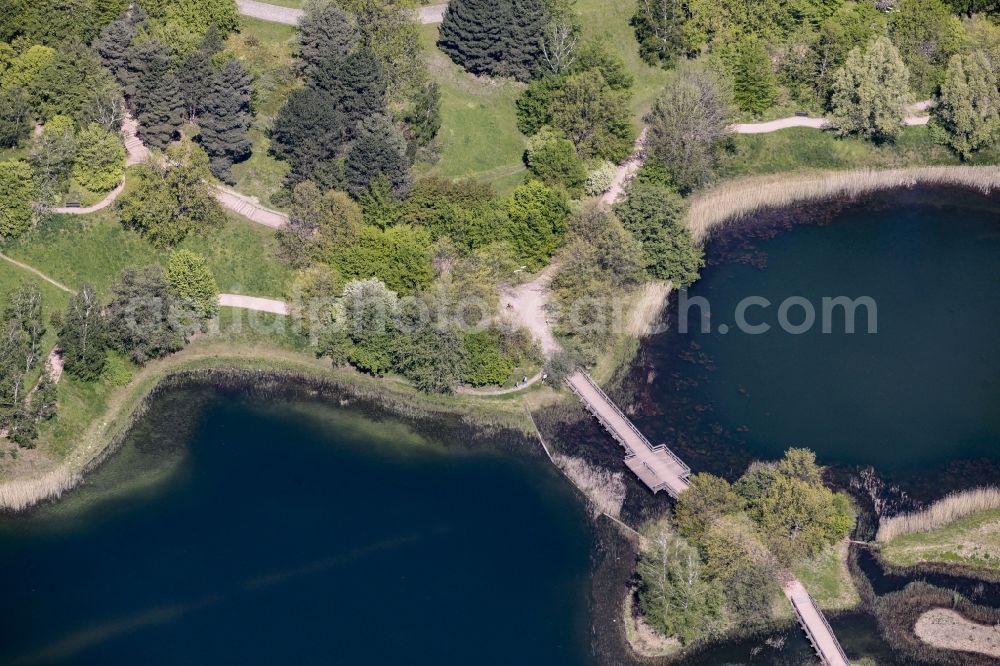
pixel 644 640
pixel 944 628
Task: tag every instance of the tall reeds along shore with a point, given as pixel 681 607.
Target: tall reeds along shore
pixel 942 512
pixel 738 199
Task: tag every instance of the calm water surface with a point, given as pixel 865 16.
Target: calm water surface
pixel 921 393
pixel 233 531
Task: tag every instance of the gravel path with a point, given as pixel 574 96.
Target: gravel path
pixel 253 303
pixel 429 15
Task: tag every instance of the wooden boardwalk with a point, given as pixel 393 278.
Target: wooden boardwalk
pixel 817 629
pixel 656 466
pixel 660 469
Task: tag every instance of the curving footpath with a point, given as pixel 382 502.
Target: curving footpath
pixel 253 303
pixel 429 15
pixel 915 118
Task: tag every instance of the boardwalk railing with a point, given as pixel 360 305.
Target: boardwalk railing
pixel 826 659
pixel 604 396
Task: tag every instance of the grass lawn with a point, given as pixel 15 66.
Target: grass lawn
pixel 267 51
pixel 806 148
pixel 973 541
pixel 94 248
pixel 607 23
pixel 479 136
pixel 827 579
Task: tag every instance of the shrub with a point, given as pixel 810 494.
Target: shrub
pixel 193 282
pixel 600 179
pixel 100 159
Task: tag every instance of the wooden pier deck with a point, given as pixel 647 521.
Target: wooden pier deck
pixel 817 629
pixel 656 466
pixel 660 469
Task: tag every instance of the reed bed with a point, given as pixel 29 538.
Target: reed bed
pixel 650 301
pixel 20 494
pixel 738 199
pixel 604 489
pixel 942 512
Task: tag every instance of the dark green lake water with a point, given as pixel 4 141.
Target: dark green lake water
pixel 919 395
pixel 263 532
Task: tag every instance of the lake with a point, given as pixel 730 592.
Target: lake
pixel 916 397
pixel 237 530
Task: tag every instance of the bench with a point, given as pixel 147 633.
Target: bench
pixel 72 204
pixel 802 114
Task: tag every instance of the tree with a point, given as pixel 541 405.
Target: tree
pixel 51 157
pixel 171 200
pixel 17 193
pixel 69 83
pixel 687 124
pixel 423 116
pixel 380 151
pixel 388 30
pixel 674 595
pixel 484 362
pixel 431 358
pixel 158 100
pixel 194 17
pixel 100 159
pixel 399 256
pixel 145 319
pixel 534 105
pixel 325 33
pixel 795 513
pixel 706 500
pixel 355 86
pixel 555 162
pixel 196 79
pixel 310 134
pixel 654 215
pixel 223 128
pixel 319 225
pixel 754 85
pixel 927 35
pixel 192 281
pixel 871 92
pixel 82 335
pixel 313 298
pixel 15 117
pixel 537 217
pixel 659 29
pixel 969 108
pixel 502 38
pixel 594 117
pixel 114 44
pixel 559 43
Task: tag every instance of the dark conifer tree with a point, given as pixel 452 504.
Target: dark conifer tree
pixel 224 128
pixel 495 37
pixel 471 33
pixel 308 132
pixel 160 107
pixel 114 45
pixel 324 33
pixel 355 85
pixel 238 78
pixel 195 76
pixel 380 150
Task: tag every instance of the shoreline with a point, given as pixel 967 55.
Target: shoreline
pixel 735 200
pixel 127 404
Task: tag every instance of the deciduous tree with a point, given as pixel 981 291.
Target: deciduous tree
pixel 969 108
pixel 871 92
pixel 82 335
pixel 192 281
pixel 687 124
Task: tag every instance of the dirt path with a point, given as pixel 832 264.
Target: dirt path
pixel 38 273
pixel 527 303
pixel 915 118
pixel 627 170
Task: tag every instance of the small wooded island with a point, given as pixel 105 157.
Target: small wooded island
pixel 361 243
